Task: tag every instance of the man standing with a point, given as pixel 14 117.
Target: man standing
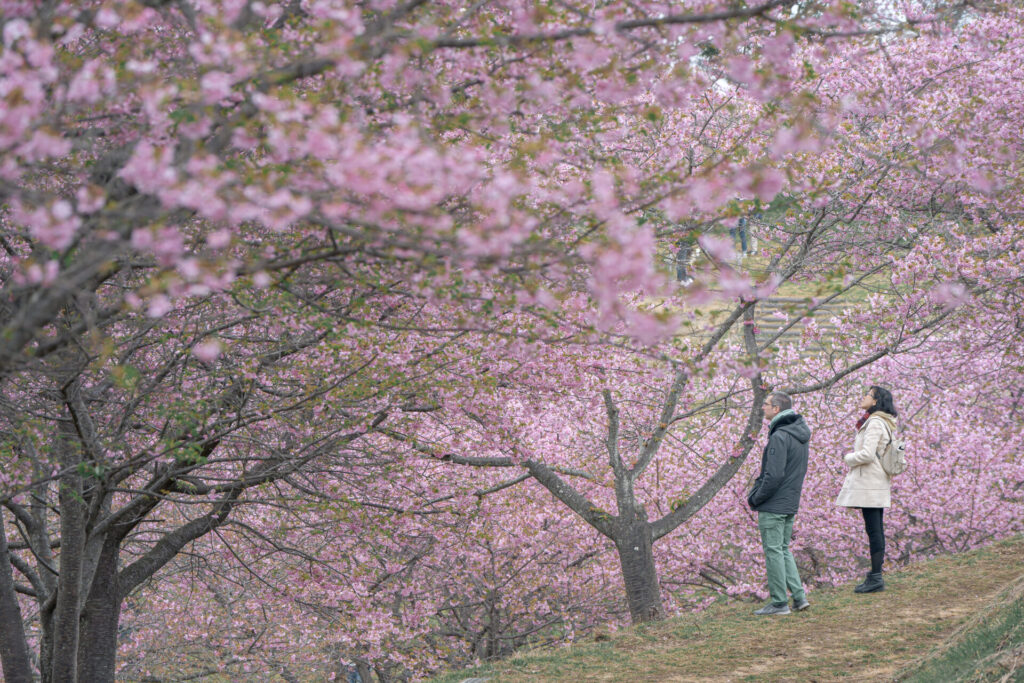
pixel 776 498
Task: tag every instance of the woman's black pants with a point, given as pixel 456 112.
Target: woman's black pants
pixel 876 536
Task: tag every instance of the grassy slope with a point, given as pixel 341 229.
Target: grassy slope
pixel 904 631
pixel 988 647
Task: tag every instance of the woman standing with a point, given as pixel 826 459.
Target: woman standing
pixel 867 485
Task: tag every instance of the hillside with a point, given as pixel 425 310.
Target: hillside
pixel 956 617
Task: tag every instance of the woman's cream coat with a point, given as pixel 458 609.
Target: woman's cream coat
pixel 867 484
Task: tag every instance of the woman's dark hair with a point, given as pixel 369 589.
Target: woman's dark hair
pixel 883 401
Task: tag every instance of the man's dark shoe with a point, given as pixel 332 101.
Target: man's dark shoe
pixel 872 584
pixel 801 605
pixel 770 609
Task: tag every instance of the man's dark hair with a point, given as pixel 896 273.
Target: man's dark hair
pixel 883 401
pixel 781 400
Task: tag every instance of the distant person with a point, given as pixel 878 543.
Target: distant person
pixel 776 498
pixel 867 486
pixel 741 228
pixel 684 253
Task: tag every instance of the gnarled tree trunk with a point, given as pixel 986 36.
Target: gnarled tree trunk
pixel 67 610
pixel 635 546
pixel 101 613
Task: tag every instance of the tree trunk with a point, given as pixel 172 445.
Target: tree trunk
pixel 636 556
pixel 97 653
pixel 13 648
pixel 66 615
pixel 39 536
pixel 46 644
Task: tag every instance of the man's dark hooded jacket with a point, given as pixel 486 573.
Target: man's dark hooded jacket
pixel 783 466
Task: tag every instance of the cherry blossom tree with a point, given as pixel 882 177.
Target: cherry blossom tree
pixel 256 254
pixel 853 225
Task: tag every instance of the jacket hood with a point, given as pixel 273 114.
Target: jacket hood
pixel 795 426
pixel 888 419
pixel 885 417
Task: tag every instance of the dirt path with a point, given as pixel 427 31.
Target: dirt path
pixel 852 637
pixel 843 637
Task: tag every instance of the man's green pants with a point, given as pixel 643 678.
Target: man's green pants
pixel 776 530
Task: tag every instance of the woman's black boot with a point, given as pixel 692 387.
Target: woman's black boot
pixel 871 584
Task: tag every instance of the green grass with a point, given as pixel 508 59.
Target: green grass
pixel 956 610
